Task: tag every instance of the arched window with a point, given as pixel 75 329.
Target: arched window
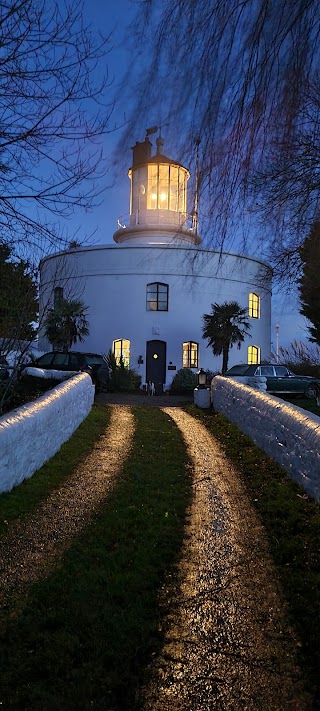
pixel 121 350
pixel 254 305
pixel 190 354
pixel 157 296
pixel 253 355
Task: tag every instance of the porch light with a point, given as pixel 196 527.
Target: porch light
pixel 202 379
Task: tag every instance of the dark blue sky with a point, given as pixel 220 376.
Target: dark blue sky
pixel 112 16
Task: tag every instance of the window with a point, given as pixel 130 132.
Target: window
pixel 60 359
pixel 253 355
pixel 121 350
pixel 157 297
pixel 58 296
pixel 281 371
pixel 190 354
pixel 167 188
pixel 254 305
pixel 73 361
pixel 44 360
pixel 266 370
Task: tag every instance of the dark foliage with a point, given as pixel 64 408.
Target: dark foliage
pixel 18 298
pixel 309 283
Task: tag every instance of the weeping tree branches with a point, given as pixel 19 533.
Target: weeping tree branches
pixel 243 77
pixel 51 117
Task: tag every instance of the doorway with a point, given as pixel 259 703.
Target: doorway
pixel 156 364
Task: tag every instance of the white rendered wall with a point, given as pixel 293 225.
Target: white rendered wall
pixel 288 434
pixel 111 281
pixel 32 434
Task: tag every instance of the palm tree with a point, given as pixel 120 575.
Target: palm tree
pixel 66 324
pixel 225 326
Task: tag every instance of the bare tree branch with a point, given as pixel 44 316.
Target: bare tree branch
pixel 243 76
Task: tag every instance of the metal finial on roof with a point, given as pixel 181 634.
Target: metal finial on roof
pixel 159 144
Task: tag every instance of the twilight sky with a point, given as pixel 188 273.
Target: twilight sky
pixel 98 225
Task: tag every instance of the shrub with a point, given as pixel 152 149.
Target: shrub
pixel 123 379
pixel 24 391
pixel 301 358
pixel 184 381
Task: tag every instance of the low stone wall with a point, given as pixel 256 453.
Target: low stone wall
pixel 288 434
pixel 33 433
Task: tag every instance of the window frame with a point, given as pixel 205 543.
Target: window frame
pixel 157 300
pixel 254 349
pixel 170 180
pixel 57 296
pixel 254 305
pixel 189 360
pixel 125 358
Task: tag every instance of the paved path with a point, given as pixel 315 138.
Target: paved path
pixel 143 400
pixel 33 545
pixel 227 646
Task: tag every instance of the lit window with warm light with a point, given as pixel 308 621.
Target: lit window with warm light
pixel 121 351
pixel 253 355
pixel 190 354
pixel 157 297
pixel 167 187
pixel 254 305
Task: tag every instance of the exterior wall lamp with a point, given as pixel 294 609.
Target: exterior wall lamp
pixel 202 379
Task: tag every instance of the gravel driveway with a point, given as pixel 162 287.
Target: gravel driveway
pixel 227 645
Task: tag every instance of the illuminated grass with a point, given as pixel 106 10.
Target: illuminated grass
pixel 85 634
pixel 292 522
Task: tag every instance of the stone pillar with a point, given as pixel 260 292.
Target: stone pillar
pixel 201 397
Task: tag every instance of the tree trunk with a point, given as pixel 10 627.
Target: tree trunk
pixel 225 358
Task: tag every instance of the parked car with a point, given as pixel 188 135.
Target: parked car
pixel 280 380
pixel 73 360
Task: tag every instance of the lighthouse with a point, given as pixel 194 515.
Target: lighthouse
pixel 146 293
pixel 158 200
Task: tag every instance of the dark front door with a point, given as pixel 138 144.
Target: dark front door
pixel 156 364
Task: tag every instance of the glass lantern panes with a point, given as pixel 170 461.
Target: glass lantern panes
pixel 167 188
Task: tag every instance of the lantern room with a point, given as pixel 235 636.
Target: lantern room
pixel 158 198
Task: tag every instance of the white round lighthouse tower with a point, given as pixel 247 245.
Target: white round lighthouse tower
pixel 146 295
pixel 158 200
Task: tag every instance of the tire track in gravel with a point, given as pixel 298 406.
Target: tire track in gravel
pixel 226 642
pixel 33 545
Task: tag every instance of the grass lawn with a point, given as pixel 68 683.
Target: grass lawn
pixel 84 635
pixel 304 402
pixel 24 498
pixel 292 521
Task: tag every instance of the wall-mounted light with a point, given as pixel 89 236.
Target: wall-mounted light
pixel 140 360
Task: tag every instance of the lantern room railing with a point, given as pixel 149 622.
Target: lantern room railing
pixel 157 217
